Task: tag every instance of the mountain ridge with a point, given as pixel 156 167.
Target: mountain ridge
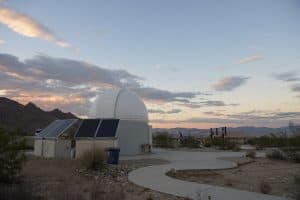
pixel 27 118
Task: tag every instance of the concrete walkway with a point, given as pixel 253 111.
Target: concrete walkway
pixel 155 178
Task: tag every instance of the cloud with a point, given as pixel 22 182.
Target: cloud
pixel 230 83
pixel 164 95
pixel 68 71
pixel 296 88
pixel 44 77
pixel 28 27
pixel 217 103
pixel 250 59
pixel 159 111
pixel 289 76
pixel 263 119
pixel 2 42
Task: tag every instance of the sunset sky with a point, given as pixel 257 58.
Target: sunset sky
pixel 195 63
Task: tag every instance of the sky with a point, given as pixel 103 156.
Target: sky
pixel 197 64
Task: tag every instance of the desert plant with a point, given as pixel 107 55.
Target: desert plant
pixel 11 158
pixel 276 154
pixel 93 159
pixel 207 143
pixel 165 141
pixel 298 195
pixel 251 154
pixel 149 197
pixel 18 192
pixel 297 180
pixel 265 187
pixel 190 141
pixel 294 156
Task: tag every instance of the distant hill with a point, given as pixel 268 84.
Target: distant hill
pixel 248 131
pixel 27 118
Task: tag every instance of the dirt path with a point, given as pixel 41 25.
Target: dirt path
pixel 278 174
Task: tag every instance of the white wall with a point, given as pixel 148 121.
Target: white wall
pixel 131 135
pixel 63 149
pixel 38 147
pixel 48 148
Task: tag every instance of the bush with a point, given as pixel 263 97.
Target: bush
pixel 265 187
pixel 279 140
pixel 18 192
pixel 93 159
pixel 164 140
pixel 207 143
pixel 251 154
pixel 276 154
pixel 11 158
pixel 190 141
pixel 294 156
pixel 297 180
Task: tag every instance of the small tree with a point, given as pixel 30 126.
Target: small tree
pixel 11 158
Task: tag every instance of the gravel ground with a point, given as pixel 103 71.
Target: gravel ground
pixel 64 179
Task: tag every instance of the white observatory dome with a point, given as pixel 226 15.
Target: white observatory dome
pixel 119 104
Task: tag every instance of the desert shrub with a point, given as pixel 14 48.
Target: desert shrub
pixel 17 192
pixel 294 156
pixel 190 141
pixel 207 143
pixel 251 154
pixel 276 154
pixel 223 143
pixel 93 159
pixel 279 140
pixel 236 148
pixel 164 141
pixel 297 179
pixel 298 195
pixel 11 158
pixel 265 187
pixel 149 197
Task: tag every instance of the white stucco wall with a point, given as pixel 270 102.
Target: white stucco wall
pixel 63 149
pixel 131 135
pixel 38 147
pixel 48 148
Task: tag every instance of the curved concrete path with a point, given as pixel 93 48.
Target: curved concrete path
pixel 155 178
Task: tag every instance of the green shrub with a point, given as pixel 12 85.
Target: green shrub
pixel 280 140
pixel 164 140
pixel 251 154
pixel 265 187
pixel 190 141
pixel 93 159
pixel 11 158
pixel 276 154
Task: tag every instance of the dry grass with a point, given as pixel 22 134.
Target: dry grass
pixel 93 159
pixel 58 179
pixel 265 187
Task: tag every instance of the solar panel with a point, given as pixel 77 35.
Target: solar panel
pixel 56 128
pixel 108 128
pixel 88 128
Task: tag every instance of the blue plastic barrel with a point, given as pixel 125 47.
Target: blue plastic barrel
pixel 113 156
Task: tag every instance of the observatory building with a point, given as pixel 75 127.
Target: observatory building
pixel 119 118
